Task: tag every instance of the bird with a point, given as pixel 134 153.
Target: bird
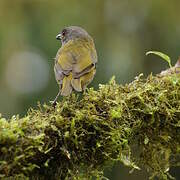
pixel 75 61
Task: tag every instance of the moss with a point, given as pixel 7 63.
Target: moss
pixel 80 137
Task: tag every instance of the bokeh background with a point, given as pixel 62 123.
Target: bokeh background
pixel 123 31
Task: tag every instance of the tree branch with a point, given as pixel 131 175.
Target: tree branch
pixel 136 124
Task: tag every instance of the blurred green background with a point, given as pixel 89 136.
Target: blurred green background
pixel 123 32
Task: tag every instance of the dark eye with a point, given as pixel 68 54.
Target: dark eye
pixel 64 31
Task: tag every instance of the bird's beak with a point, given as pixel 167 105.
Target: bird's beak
pixel 59 36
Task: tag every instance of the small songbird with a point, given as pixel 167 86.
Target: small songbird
pixel 75 62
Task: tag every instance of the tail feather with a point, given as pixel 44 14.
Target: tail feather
pixel 66 86
pixel 76 84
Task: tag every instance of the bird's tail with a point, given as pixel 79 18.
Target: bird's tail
pixel 66 85
pixel 78 84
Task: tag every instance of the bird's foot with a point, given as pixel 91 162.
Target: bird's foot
pixel 53 103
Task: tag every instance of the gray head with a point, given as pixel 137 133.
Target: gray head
pixel 71 33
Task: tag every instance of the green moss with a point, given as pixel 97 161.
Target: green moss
pixel 80 137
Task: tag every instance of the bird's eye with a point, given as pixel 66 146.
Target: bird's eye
pixel 64 31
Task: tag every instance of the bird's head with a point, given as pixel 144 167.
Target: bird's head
pixel 72 33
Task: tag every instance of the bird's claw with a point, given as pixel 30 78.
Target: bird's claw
pixel 53 103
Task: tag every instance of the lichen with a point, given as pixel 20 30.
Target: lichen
pixel 136 124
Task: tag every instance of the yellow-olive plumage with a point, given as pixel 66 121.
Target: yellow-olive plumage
pixel 75 62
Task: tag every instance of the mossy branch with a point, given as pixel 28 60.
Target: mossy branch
pixel 137 124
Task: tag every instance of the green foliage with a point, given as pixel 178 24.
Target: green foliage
pixel 162 55
pixel 81 137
